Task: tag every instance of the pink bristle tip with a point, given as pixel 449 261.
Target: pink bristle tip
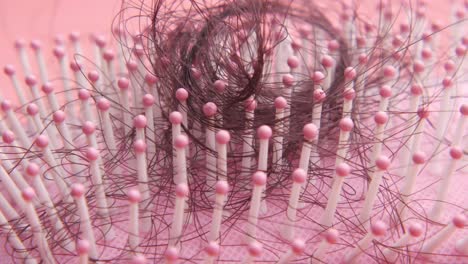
pixel 343 170
pixel 222 187
pixel 299 176
pixel 31 80
pixel 293 62
pixel 88 128
pixel 456 152
pixel 92 154
pixel 251 104
pixel 459 220
pixel 83 94
pixel 139 259
pixel 264 132
pixel 32 169
pixel 93 76
pixel 182 190
pixel 103 104
pixel 378 228
pixel 47 88
pixel 8 136
pixel 59 52
pixel 148 100
pixel 59 116
pixel 181 141
pixel 151 79
pixel 219 86
pixel 123 83
pixel 9 70
pixel 280 103
pixel 259 178
pixel 382 162
pixel 28 194
pixel 223 137
pixel 132 65
pixel 288 80
pixel 108 55
pixel 419 157
pixel 20 43
pixel 210 109
pixel 332 235
pixel 140 121
pixel 42 141
pixel 346 124
pixel 212 249
pixel 77 190
pixel 182 94
pixel 171 254
pixel 32 109
pixel 36 44
pixel 310 132
pixel 298 246
pixel 175 118
pixel 134 196
pixel 415 229
pixel 381 118
pixel 318 77
pixel 5 105
pixel 139 146
pixel 82 247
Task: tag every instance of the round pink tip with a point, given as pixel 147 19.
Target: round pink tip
pixel 333 45
pixel 171 254
pixel 88 128
pixel 250 104
pixel 459 220
pixel 103 104
pixel 280 102
pixel 182 190
pixel 132 66
pixel 59 116
pixel 92 154
pixel 151 79
pixel 464 109
pixel 32 169
pixel 382 162
pixel 447 82
pixel 404 28
pixel 381 118
pixel 255 249
pixel 416 90
pixel 8 136
pixel 181 141
pixel 310 132
pixel 346 124
pixel 77 190
pixel 139 259
pixel 223 137
pixel 343 170
pixel 212 249
pixel 9 70
pixel 182 95
pixel 397 41
pixel 299 176
pixel 139 121
pixel 123 83
pixel 82 247
pixel 418 66
pixel 449 66
pixel 139 146
pixel 460 51
pixel 385 91
pixel 59 52
pixel 350 73
pixel 74 36
pixel 318 77
pixel 415 229
pixel 426 53
pixel 20 43
pixel 349 94
pixel 296 45
pixel 332 236
pixel 423 112
pixel 75 66
pixel 28 194
pixel 219 86
pixel 83 95
pixel 32 109
pixel 264 132
pixel 327 61
pixel 378 228
pixel 175 118
pixel 108 55
pixel 148 100
pixel 222 187
pixel 59 40
pixel 31 80
pixel 210 109
pixel 419 157
pixel 456 152
pixel 293 62
pixel 47 88
pixel 5 105
pixel 259 178
pixel 196 73
pixel 42 141
pixel 389 71
pixel 288 80
pixel 363 59
pixel 100 41
pixel 138 50
pixel 36 45
pixel 134 195
pixel 298 246
pixel 93 76
pixel 319 95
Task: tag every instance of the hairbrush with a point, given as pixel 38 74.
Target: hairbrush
pixel 259 131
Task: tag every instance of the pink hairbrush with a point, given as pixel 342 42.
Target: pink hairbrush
pixel 240 132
